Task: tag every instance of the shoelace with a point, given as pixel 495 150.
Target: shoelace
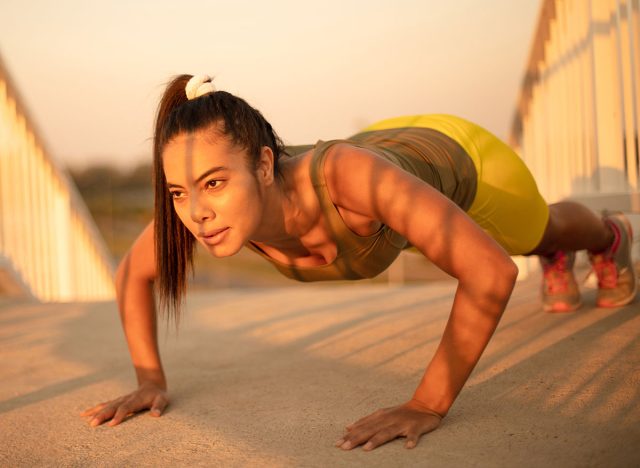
pixel 555 275
pixel 606 271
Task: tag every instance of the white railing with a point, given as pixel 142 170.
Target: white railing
pixel 576 125
pixel 49 246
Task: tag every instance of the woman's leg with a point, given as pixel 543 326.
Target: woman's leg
pixel 573 227
pixel 570 227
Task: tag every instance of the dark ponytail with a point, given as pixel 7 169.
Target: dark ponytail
pixel 221 112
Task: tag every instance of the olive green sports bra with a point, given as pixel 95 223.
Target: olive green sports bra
pixel 426 153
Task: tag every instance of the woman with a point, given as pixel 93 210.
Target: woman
pixel 345 209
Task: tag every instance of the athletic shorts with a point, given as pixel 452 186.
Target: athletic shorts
pixel 507 204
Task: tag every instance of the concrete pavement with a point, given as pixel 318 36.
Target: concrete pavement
pixel 269 377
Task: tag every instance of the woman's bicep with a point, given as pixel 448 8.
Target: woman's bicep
pixel 444 233
pixel 140 260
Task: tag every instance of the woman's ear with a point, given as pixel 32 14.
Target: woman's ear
pixel 265 165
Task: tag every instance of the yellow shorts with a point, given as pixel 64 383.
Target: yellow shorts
pixel 507 205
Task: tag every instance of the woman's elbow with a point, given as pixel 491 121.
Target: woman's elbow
pixel 510 270
pixel 503 275
pixel 492 281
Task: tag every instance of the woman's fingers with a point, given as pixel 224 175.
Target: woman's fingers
pixel 374 435
pixel 357 437
pixel 412 440
pixel 93 410
pixel 103 415
pixel 383 436
pixel 117 410
pixel 387 424
pixel 121 413
pixel 159 404
pixel 362 426
pixel 134 403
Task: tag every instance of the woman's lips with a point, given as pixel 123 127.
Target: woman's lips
pixel 214 237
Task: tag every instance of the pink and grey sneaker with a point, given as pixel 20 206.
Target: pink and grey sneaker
pixel 617 284
pixel 560 291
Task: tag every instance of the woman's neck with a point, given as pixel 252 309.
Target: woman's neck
pixel 282 223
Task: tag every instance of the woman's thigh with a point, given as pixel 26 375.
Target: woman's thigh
pixel 508 205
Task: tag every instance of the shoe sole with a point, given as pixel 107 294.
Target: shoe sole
pixel 561 308
pixel 627 300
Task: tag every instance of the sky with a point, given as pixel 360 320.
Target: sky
pixel 92 72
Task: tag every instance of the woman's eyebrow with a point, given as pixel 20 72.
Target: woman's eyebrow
pixel 202 176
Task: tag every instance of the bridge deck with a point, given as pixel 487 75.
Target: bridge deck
pixel 269 377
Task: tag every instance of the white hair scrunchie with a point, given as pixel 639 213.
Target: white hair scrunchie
pixel 199 85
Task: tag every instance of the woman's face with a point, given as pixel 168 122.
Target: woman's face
pixel 214 193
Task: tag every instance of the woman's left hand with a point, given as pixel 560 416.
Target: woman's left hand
pixel 409 420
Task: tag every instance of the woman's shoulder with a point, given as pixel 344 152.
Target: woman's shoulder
pixel 322 170
pixel 330 163
pixel 303 160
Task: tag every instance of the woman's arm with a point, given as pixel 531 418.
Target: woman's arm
pixel 361 181
pixel 134 291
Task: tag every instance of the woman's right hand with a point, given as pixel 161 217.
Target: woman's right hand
pixel 148 396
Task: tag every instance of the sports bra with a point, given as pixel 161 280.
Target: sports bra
pixel 426 153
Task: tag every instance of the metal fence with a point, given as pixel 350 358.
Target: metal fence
pixel 576 123
pixel 49 246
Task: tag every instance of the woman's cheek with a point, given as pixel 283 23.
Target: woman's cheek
pixel 184 217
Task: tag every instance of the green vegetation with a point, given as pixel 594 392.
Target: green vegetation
pixel 121 203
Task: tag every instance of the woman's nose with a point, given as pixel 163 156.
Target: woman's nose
pixel 200 211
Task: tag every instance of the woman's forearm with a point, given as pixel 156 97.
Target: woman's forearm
pixel 138 317
pixel 134 290
pixel 478 305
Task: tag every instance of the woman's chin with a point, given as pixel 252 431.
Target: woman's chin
pixel 221 250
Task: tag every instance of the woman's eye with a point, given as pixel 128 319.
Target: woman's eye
pixel 213 183
pixel 176 195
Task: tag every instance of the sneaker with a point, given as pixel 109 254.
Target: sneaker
pixel 617 284
pixel 560 291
